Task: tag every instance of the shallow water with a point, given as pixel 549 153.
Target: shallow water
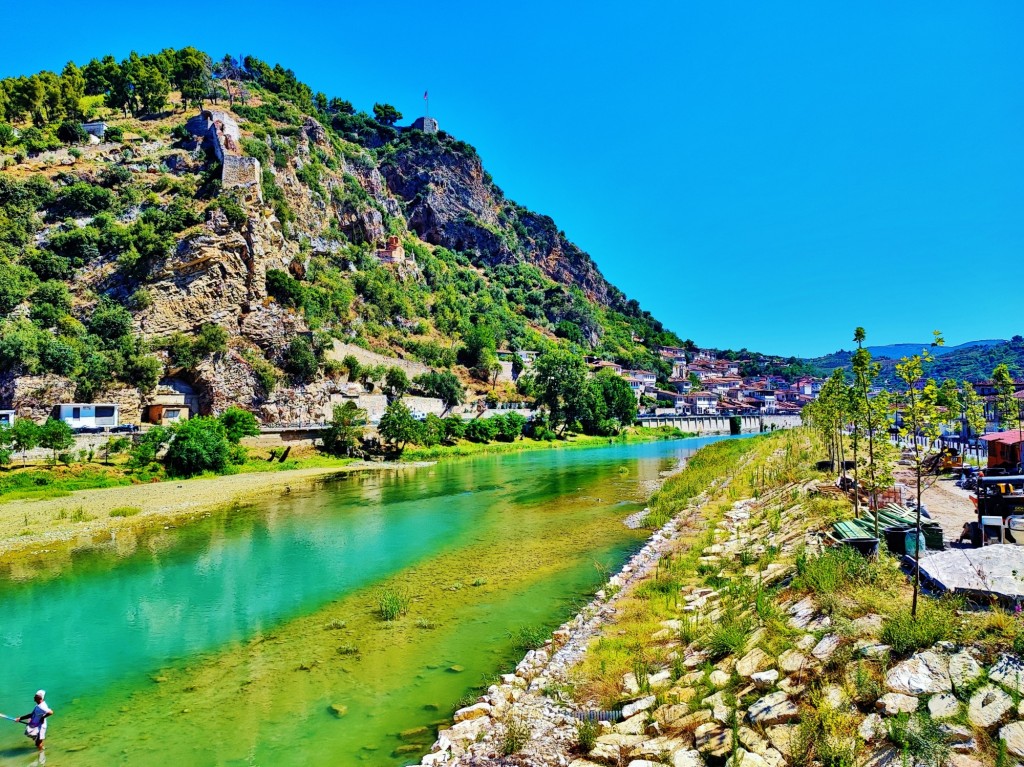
pixel 230 639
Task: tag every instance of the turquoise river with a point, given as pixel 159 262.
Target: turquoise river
pixel 250 636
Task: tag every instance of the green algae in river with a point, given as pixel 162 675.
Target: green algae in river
pixel 260 621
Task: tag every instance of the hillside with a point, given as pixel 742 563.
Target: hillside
pixel 242 253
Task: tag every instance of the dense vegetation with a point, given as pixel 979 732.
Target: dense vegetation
pixel 114 219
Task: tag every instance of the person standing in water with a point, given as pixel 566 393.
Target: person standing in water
pixel 36 720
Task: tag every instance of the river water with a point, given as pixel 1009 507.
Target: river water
pixel 251 636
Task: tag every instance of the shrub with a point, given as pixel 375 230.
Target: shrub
pixel 114 133
pixel 586 735
pixel 199 445
pixel 300 362
pixel 82 199
pixel 829 572
pixel 287 290
pixel 239 423
pixel 72 132
pixel 920 737
pixel 110 321
pixel 125 511
pixel 517 735
pixel 729 637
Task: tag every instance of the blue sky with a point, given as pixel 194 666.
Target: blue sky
pixel 767 175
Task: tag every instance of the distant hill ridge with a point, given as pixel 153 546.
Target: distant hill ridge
pixel 896 351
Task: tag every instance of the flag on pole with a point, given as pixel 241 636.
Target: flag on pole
pixel 424 95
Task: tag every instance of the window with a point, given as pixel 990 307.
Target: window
pixel 104 411
pixel 171 413
pixel 76 413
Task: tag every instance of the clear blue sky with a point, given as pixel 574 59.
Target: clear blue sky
pixel 757 174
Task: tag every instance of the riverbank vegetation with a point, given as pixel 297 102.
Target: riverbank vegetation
pixel 750 606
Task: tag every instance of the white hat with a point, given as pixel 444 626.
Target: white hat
pixel 41 694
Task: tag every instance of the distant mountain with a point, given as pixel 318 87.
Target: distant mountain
pixel 896 351
pixel 972 361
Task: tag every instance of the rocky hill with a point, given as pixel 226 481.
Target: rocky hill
pixel 231 231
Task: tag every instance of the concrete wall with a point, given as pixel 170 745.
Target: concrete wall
pixel 719 424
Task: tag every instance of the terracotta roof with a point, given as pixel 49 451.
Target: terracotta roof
pixel 1011 437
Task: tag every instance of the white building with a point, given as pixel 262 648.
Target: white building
pixel 78 414
pixel 6 417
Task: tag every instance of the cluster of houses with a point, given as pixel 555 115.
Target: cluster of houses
pixel 703 385
pixel 167 407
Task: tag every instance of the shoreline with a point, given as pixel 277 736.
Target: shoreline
pixel 157 503
pixel 82 517
pixel 526 687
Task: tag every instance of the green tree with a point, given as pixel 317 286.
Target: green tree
pixel 454 428
pixel 973 412
pixel 351 365
pixel 5 444
pixel 920 419
pixel 386 114
pixel 198 445
pixel 1006 403
pixel 481 430
pixel 152 89
pixel 55 435
pixel 561 381
pixel 239 423
pixel 24 436
pixel 192 76
pixel 114 446
pixel 300 360
pixel 345 431
pixel 443 385
pixel 509 426
pixel 396 383
pixel 397 426
pixel 148 446
pixel 864 373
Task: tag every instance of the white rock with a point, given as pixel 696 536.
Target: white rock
pixel 774 708
pixel 752 662
pixel 893 703
pixel 637 706
pixel 792 661
pixel 472 712
pixel 872 728
pixel 826 647
pixel 989 707
pixel 685 758
pixel 719 678
pixel 781 737
pixel 1009 672
pixel 744 758
pixel 635 725
pixel 963 669
pixel 1013 736
pixel 763 680
pixel 943 706
pixel 923 673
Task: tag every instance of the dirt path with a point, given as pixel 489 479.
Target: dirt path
pixel 83 515
pixel 949 506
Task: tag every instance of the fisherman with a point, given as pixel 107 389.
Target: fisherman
pixel 36 719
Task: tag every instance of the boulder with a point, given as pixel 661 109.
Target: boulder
pixel 475 711
pixel 637 706
pixel 1009 672
pixel 713 739
pixel 781 737
pixel 963 669
pixel 752 662
pixel 893 703
pixel 764 680
pixel 943 706
pixel 670 715
pixel 989 707
pixel 719 678
pixel 826 647
pixel 792 661
pixel 921 674
pixel 872 728
pixel 684 758
pixel 635 725
pixel 1013 736
pixel 774 708
pixel 868 625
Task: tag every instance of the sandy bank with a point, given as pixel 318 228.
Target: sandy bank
pixel 28 525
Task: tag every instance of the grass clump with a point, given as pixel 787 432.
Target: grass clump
pixel 334 625
pixel 904 633
pixel 125 511
pixel 727 638
pixel 830 571
pixel 392 604
pixel 919 738
pixel 528 638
